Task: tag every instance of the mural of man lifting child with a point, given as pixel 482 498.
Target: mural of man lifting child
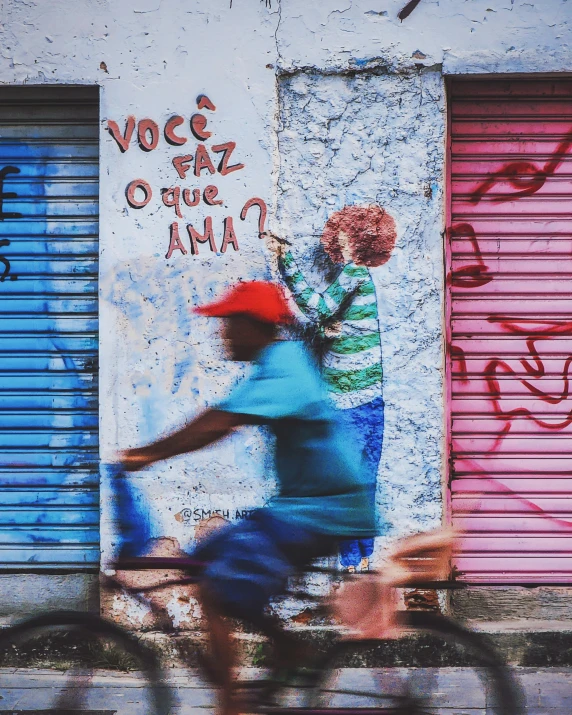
pixel 356 239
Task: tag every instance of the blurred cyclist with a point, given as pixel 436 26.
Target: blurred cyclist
pixel 323 495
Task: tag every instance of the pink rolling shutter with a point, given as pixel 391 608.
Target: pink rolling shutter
pixel 509 289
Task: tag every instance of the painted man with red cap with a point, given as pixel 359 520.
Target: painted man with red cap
pixel 322 496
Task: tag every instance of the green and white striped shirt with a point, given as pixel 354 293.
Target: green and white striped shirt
pixel 352 366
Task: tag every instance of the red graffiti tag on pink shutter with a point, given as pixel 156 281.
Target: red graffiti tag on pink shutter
pixel 524 176
pixel 510 349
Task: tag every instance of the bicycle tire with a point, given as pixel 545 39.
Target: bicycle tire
pixel 80 632
pixel 501 691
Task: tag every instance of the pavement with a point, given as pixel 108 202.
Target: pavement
pixel 458 690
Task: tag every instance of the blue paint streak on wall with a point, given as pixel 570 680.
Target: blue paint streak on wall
pixel 131 515
pixel 361 62
pixel 49 503
pixel 167 293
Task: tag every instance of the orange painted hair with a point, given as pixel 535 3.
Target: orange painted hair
pixel 371 230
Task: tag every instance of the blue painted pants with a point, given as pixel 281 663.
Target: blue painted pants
pixel 366 423
pixel 130 514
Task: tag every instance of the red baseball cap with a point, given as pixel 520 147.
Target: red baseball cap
pixel 258 299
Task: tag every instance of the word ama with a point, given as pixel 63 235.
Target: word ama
pixel 229 238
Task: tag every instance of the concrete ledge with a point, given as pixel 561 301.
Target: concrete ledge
pixel 512 603
pixel 530 647
pixel 27 594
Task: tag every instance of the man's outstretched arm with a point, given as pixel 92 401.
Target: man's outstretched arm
pixel 205 429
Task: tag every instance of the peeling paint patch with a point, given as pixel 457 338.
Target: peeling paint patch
pixel 133 611
pixel 183 610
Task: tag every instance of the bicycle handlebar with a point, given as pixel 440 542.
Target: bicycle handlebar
pixel 159 563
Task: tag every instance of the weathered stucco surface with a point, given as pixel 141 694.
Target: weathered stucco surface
pixel 462 35
pixel 158 364
pixel 330 103
pixel 377 138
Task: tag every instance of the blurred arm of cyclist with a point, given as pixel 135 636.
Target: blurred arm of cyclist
pixel 208 427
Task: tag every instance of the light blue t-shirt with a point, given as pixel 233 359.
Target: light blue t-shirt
pixel 321 480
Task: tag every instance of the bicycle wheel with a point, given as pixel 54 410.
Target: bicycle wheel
pixel 448 669
pixel 87 649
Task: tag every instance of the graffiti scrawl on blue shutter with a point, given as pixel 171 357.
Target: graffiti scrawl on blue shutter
pixel 49 485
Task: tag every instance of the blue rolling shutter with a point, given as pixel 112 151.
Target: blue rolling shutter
pixel 49 484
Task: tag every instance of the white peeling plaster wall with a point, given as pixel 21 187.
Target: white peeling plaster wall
pixel 378 139
pixel 151 59
pixel 167 364
pixel 363 120
pixel 465 36
pixel 159 364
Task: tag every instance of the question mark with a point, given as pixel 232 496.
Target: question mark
pixel 263 212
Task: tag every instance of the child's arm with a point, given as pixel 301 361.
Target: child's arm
pixel 320 307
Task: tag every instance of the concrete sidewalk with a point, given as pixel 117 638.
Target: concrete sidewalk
pixel 458 690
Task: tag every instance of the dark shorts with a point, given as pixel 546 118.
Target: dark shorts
pixel 249 562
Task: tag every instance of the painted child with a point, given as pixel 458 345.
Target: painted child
pixel 356 238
